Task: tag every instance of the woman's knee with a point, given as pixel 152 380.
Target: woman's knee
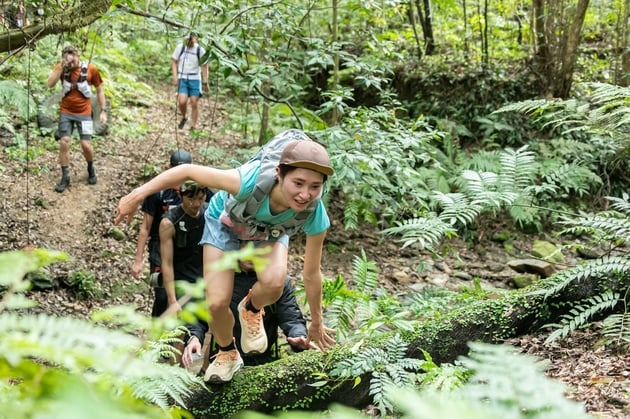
pixel 216 306
pixel 273 282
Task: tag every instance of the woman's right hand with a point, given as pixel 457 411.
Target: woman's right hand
pixel 127 207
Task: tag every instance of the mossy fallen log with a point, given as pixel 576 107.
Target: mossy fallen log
pixel 301 381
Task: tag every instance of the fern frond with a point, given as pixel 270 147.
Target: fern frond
pixel 165 384
pixel 457 209
pixel 617 327
pixel 14 95
pixel 511 384
pixel 424 232
pixel 365 274
pixel 96 353
pixel 620 204
pixel 518 168
pixel 573 178
pixel 593 268
pixel 603 226
pixel 351 214
pixel 582 312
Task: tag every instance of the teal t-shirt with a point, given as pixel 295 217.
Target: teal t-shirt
pixel 317 223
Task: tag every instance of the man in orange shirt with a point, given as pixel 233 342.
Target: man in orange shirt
pixel 76 109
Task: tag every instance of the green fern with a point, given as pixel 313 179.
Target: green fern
pixel 621 205
pixel 508 384
pixel 614 105
pixel 14 95
pixel 617 327
pixel 388 367
pixel 597 268
pixel 365 274
pixel 426 233
pixel 40 353
pixel 581 313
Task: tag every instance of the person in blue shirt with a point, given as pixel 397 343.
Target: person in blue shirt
pixel 302 170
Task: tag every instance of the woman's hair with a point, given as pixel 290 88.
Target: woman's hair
pixel 285 169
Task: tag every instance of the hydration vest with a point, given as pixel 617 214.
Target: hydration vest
pixel 244 212
pixel 81 84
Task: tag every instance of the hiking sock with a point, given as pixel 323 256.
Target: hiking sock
pixel 230 347
pixel 250 307
pixel 65 173
pixel 90 169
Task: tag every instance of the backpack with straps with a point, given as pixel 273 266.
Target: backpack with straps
pixel 184 47
pixel 81 83
pixel 244 212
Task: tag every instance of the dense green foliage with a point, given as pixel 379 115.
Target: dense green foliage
pixel 423 147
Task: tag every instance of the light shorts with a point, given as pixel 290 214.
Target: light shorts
pixel 84 125
pixel 189 87
pixel 218 235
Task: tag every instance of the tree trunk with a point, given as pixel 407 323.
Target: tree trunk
pixel 412 22
pixel 76 17
pixel 569 55
pixel 557 47
pixel 623 79
pixel 294 382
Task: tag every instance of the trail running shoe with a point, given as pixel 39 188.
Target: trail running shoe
pixel 222 369
pixel 253 336
pixel 92 177
pixel 62 185
pixel 182 123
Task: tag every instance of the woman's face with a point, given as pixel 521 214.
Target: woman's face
pixel 300 187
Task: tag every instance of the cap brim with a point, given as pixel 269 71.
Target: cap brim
pixel 325 170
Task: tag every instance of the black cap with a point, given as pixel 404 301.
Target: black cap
pixel 180 157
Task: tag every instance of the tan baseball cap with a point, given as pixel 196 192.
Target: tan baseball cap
pixel 307 155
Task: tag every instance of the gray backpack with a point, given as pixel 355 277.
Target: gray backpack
pixel 244 212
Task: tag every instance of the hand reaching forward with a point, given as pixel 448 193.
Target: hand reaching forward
pixel 301 342
pixel 127 207
pixel 320 335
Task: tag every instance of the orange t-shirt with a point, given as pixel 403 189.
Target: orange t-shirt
pixel 74 102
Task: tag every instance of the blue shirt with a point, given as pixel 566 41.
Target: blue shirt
pixel 317 223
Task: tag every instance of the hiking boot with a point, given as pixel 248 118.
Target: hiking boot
pixel 62 185
pixel 92 177
pixel 182 123
pixel 253 336
pixel 222 369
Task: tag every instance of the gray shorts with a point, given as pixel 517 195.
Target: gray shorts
pixel 83 123
pixel 218 235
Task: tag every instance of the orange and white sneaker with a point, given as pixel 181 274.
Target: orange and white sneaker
pixel 253 336
pixel 224 366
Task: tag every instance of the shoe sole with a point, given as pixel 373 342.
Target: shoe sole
pixel 217 379
pixel 254 351
pixel 60 189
